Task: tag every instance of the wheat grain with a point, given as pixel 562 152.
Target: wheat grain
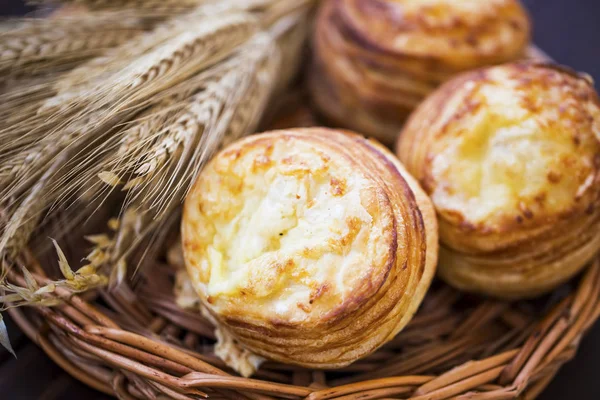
pixel 204 126
pixel 172 7
pixel 156 70
pixel 48 45
pixel 158 63
pixel 22 222
pixel 235 92
pixel 147 114
pixel 229 106
pixel 49 138
pixel 208 111
pixel 134 139
pixel 22 98
pixel 94 107
pixel 178 91
pixel 140 4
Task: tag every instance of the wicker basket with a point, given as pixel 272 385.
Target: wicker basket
pixel 138 344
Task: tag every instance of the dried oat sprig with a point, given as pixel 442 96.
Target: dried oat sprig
pixel 31 289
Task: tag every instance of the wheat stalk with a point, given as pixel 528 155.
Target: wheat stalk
pixel 92 106
pixel 163 7
pixel 21 93
pixel 197 43
pixel 212 56
pixel 141 4
pixel 209 119
pixel 48 45
pixel 20 103
pixel 229 103
pixel 24 219
pixel 21 171
pixel 235 73
pixel 214 114
pixel 143 117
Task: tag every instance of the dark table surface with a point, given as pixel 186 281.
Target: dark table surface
pixel 568 30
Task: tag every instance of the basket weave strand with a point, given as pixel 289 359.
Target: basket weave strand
pixel 138 344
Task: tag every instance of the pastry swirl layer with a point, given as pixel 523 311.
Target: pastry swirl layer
pixel 376 60
pixel 309 246
pixel 510 156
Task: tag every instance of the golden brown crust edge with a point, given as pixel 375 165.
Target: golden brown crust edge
pixel 371 67
pixel 371 321
pixel 529 247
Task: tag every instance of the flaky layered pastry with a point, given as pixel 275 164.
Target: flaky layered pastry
pixel 510 156
pixel 309 246
pixel 375 60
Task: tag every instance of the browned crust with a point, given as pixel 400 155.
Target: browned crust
pixel 384 303
pixel 361 80
pixel 531 251
pixel 371 29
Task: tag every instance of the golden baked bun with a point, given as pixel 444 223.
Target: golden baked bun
pixel 510 156
pixel 309 246
pixel 376 60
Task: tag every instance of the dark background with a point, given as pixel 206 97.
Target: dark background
pixel 568 30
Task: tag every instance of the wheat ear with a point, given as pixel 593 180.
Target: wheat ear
pixel 171 62
pixel 180 76
pixel 230 105
pixel 207 57
pixel 149 145
pixel 23 220
pixel 138 4
pixel 48 45
pixel 94 106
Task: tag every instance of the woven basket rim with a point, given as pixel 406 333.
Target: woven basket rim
pixel 84 340
pixel 134 345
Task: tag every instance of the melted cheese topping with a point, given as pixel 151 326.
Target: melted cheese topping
pixel 278 230
pixel 515 145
